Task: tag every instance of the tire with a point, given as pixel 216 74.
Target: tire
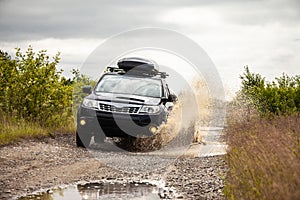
pixel 99 138
pixel 82 140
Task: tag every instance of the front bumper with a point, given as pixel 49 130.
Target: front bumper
pixel 117 124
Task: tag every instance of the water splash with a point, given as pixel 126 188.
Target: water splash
pixel 192 111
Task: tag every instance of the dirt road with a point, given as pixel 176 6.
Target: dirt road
pixel 35 165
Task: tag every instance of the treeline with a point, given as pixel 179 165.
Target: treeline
pixel 33 90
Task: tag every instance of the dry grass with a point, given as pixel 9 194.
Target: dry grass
pixel 13 130
pixel 264 158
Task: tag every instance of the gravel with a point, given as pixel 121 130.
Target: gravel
pixel 198 178
pixel 36 165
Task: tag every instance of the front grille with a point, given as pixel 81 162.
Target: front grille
pixel 112 108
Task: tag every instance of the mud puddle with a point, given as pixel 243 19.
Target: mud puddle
pixel 100 190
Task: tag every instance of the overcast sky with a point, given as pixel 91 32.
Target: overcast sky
pixel 264 34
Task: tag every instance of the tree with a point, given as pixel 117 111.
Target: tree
pixel 281 96
pixel 33 89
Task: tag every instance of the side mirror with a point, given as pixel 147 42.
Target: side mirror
pixel 164 100
pixel 169 106
pixel 87 89
pixel 172 98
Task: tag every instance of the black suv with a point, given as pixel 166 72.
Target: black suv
pixel 132 99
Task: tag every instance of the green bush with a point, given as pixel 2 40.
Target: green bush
pixel 33 89
pixel 35 99
pixel 281 96
pixel 79 81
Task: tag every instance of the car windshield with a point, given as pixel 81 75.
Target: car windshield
pixel 130 85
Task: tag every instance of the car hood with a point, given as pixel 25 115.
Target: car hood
pixel 125 98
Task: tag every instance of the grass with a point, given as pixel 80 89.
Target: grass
pixel 13 130
pixel 263 158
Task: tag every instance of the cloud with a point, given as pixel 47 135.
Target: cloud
pixel 261 33
pixel 21 20
pixel 34 19
pixel 263 13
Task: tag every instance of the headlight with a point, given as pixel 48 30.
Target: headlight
pixel 150 109
pixel 90 103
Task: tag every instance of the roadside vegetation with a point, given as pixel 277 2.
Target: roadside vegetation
pixel 35 99
pixel 263 135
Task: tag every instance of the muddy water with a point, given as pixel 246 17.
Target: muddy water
pixel 99 191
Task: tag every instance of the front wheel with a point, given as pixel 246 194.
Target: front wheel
pixel 82 140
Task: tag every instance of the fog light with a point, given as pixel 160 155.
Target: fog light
pixel 152 129
pixel 82 122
